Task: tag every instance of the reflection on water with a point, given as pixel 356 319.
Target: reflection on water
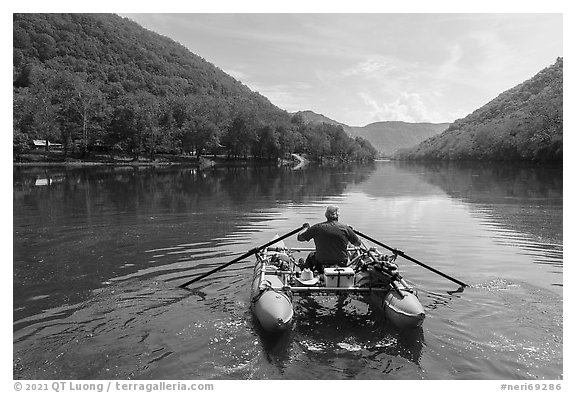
pixel 514 206
pixel 106 217
pixel 506 193
pixel 99 252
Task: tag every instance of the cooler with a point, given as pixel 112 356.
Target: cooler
pixel 339 277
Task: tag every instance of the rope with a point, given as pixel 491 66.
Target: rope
pixel 267 287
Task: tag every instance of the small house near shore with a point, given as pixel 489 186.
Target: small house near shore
pixel 40 144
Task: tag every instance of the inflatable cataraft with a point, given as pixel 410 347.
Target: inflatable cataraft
pixel 278 277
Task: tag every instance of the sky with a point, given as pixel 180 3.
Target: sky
pixel 360 68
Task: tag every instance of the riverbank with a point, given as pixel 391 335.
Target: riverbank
pixel 58 159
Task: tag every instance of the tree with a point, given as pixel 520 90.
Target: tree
pixel 81 109
pixel 239 136
pixel 45 45
pixel 200 135
pixel 207 137
pixel 20 143
pixel 89 104
pixel 267 143
pixel 318 144
pixel 147 135
pixel 134 126
pixel 288 140
pixel 41 102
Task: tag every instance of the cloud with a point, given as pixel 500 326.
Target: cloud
pixel 366 68
pixel 290 97
pixel 409 107
pixel 450 66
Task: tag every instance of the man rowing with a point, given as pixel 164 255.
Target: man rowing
pixel 331 239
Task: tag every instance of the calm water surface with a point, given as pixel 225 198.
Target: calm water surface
pixel 99 254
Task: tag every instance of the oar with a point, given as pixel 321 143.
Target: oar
pixel 246 255
pixel 401 253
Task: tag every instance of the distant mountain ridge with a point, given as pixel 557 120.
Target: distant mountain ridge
pixel 524 123
pixel 386 136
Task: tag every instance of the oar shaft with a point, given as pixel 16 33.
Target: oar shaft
pixel 245 255
pixel 401 253
pixel 200 277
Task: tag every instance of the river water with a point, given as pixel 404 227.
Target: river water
pixel 99 253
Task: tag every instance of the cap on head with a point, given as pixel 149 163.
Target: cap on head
pixel 331 212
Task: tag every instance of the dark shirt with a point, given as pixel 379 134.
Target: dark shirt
pixel 331 239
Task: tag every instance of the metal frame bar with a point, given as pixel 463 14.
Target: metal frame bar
pixel 334 290
pixel 299 249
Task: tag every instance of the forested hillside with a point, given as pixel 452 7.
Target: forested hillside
pixel 524 123
pixel 102 82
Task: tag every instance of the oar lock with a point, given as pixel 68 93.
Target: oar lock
pixel 281 261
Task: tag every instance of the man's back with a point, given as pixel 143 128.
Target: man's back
pixel 331 239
